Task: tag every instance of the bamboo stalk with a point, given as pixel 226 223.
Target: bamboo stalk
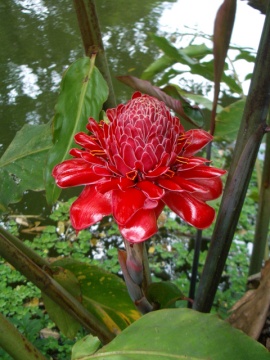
pixel 252 129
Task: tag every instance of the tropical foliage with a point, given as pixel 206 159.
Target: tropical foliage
pixel 117 298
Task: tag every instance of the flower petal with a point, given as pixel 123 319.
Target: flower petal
pixel 202 172
pixel 191 185
pixel 86 141
pixel 126 204
pixel 89 208
pixel 74 172
pixel 169 184
pixel 196 139
pixel 190 209
pixel 141 226
pixel 151 190
pixel 212 186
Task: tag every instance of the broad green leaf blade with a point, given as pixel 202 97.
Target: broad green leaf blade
pixel 82 94
pixel 192 51
pixel 206 69
pixel 200 100
pixel 197 51
pixel 164 294
pixel 181 334
pixel 172 52
pixel 157 67
pixel 85 347
pixel 228 120
pixel 103 294
pixel 22 165
pixel 66 323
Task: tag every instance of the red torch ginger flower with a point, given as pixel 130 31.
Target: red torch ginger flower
pixel 136 163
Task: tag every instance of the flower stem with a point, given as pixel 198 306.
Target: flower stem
pixel 147 280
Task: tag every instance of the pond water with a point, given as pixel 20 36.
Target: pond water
pixel 40 38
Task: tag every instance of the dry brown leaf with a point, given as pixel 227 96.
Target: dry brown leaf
pixel 250 312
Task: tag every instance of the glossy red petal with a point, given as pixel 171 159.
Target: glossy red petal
pixel 190 209
pixel 126 203
pixel 151 190
pixel 114 184
pixel 141 227
pixel 169 184
pixel 89 208
pixel 157 172
pixel 74 172
pixel 201 172
pixel 191 185
pixel 213 189
pixel 86 141
pixel 196 140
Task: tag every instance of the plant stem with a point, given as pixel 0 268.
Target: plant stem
pixel 250 134
pixel 15 344
pixel 195 265
pixel 92 40
pixel 52 289
pixel 38 260
pixel 263 215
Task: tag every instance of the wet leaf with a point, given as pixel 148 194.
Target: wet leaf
pixel 22 165
pixel 102 293
pixel 180 334
pixel 82 94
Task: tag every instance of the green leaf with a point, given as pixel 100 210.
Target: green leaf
pixel 157 67
pixel 102 293
pixel 200 100
pixel 66 323
pixel 228 120
pixel 22 165
pixel 171 51
pixel 165 61
pixel 197 51
pixel 164 294
pixel 206 69
pixel 181 334
pixel 85 347
pixel 82 94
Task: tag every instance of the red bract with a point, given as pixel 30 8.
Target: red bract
pixel 135 164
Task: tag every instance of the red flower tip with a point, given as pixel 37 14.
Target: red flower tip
pixel 135 164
